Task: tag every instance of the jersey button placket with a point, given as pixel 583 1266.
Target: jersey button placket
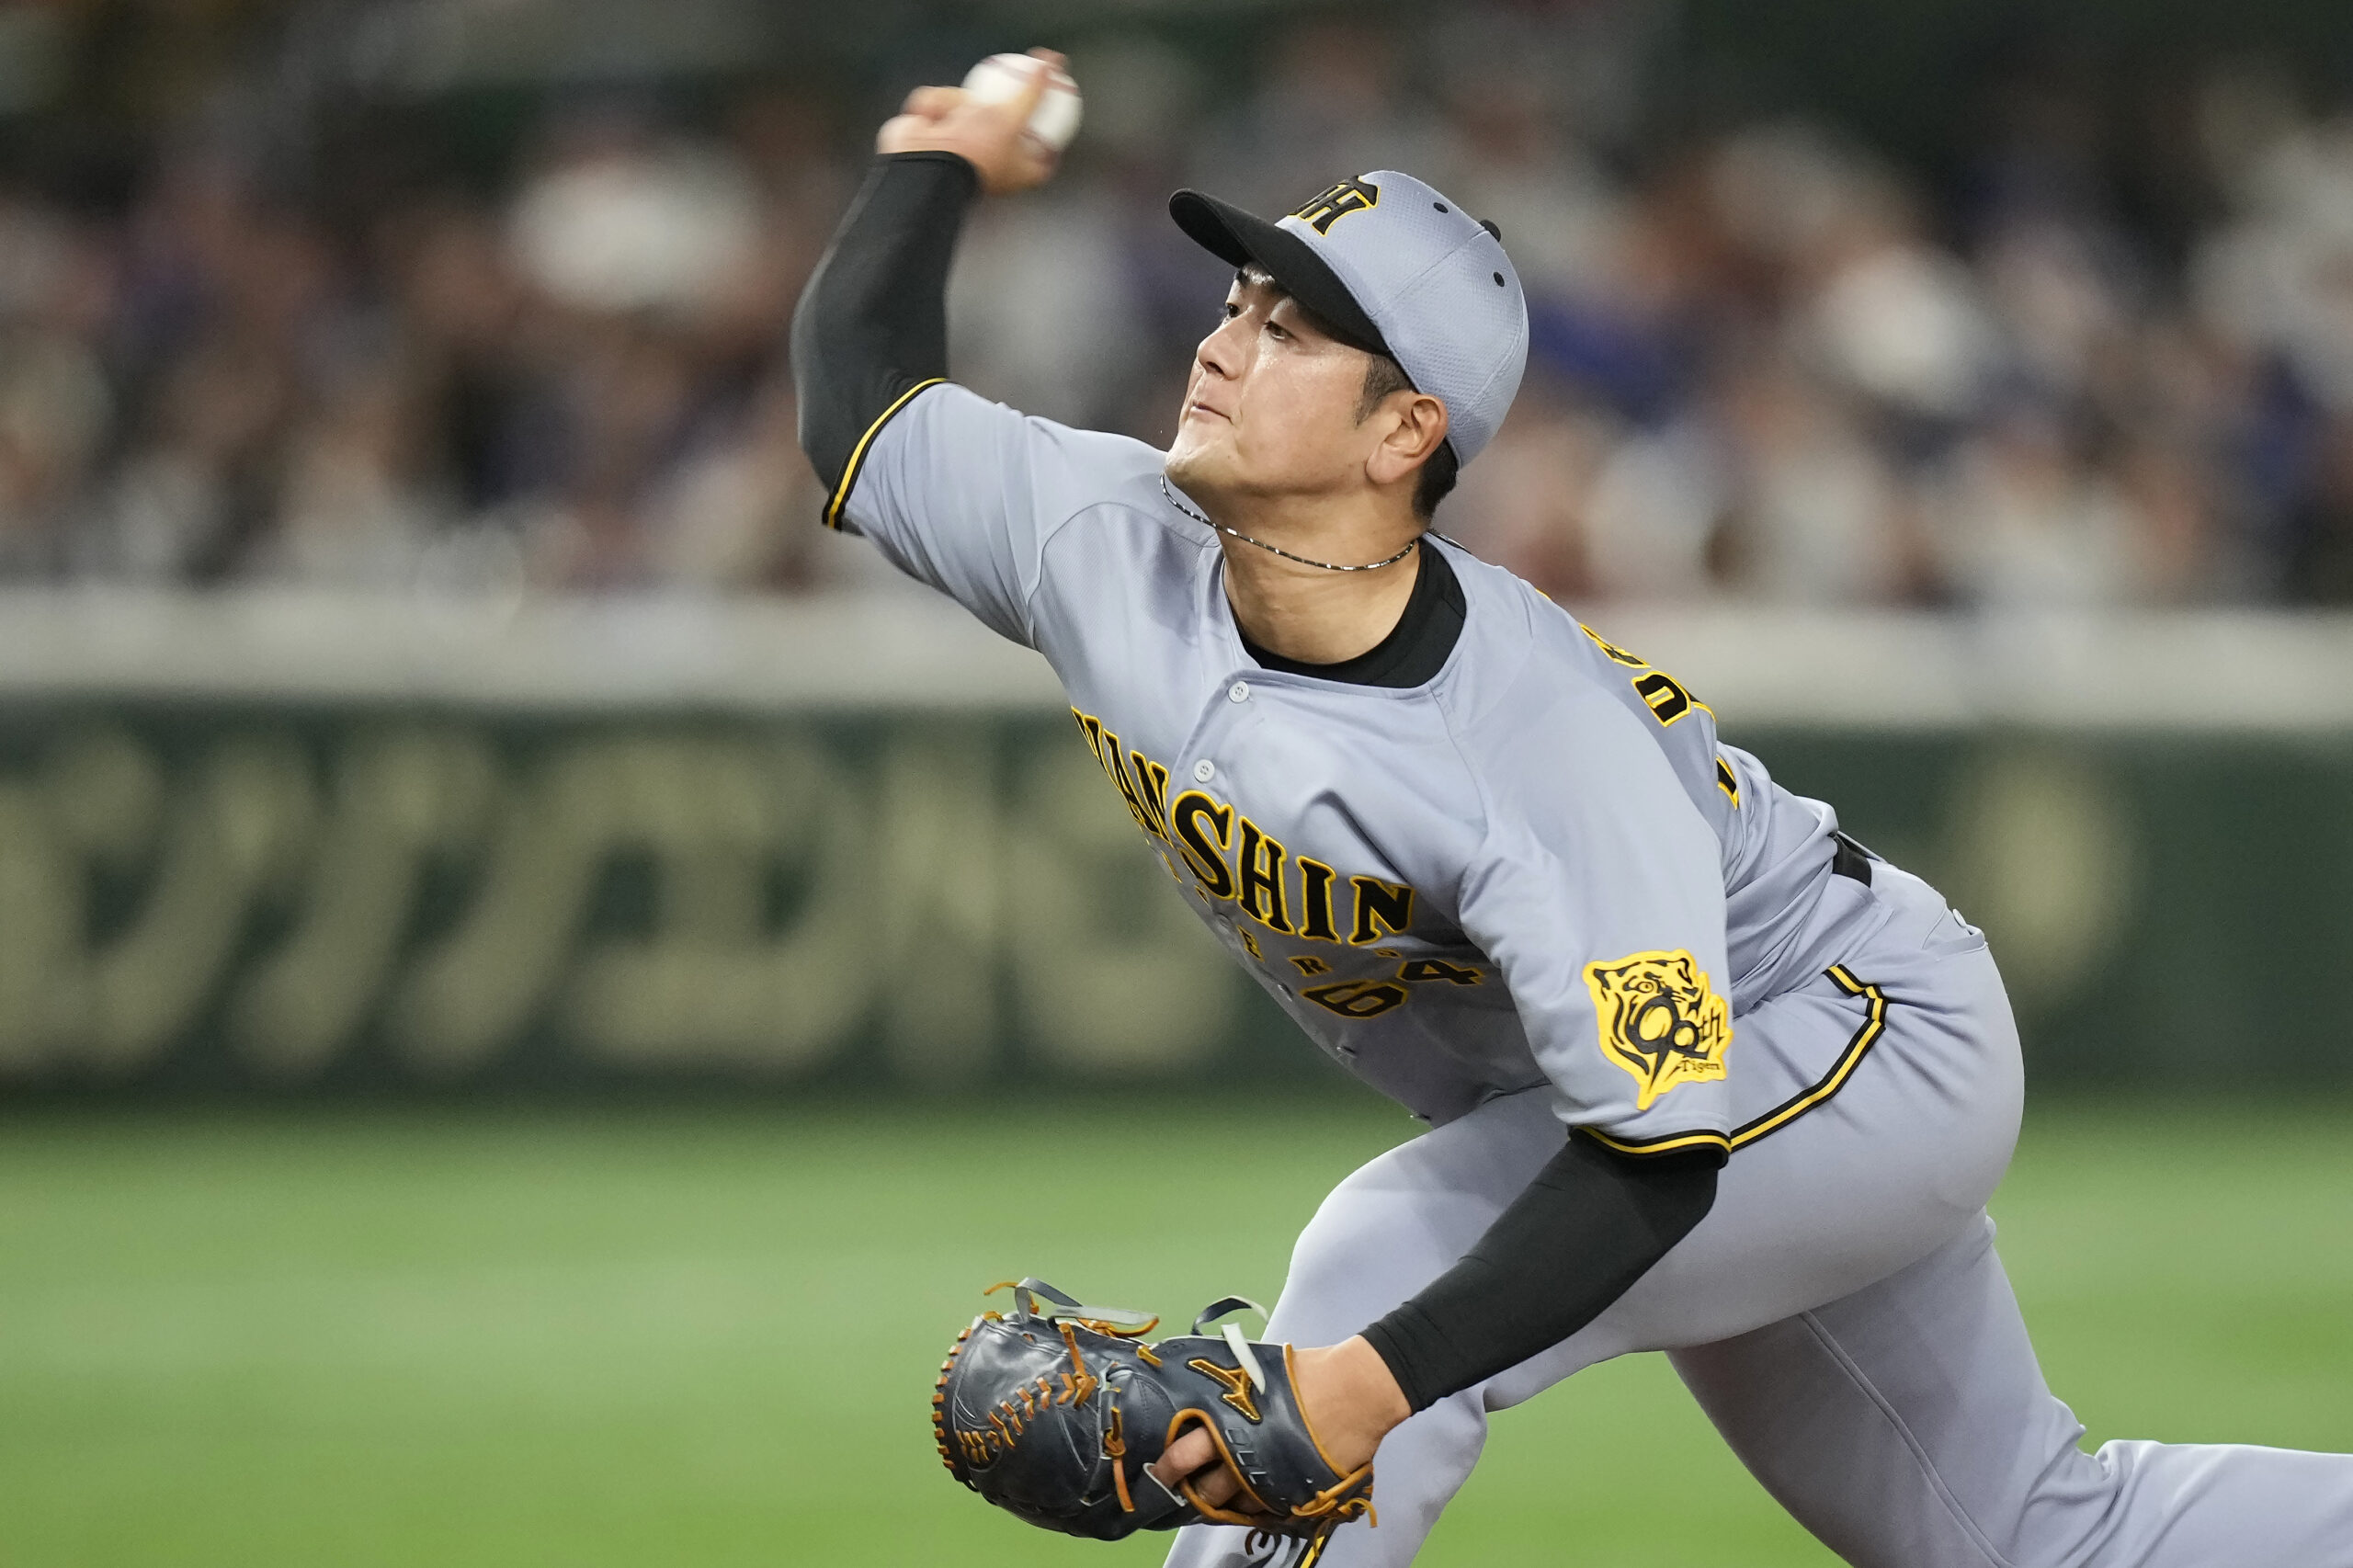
pixel 1237 693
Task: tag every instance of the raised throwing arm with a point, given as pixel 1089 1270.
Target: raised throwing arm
pixel 871 328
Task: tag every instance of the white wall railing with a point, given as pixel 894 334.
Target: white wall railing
pixel 2269 672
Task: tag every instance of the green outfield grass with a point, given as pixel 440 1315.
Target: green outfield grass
pixel 683 1339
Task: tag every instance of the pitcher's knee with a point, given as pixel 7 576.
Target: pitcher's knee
pixel 1403 1218
pixel 2069 1513
pixel 1369 1247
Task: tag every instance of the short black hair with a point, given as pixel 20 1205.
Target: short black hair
pixel 1383 376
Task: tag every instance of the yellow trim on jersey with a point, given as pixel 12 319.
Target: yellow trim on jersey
pixel 1789 1110
pixel 840 497
pixel 1669 1144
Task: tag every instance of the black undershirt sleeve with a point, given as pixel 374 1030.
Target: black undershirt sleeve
pixel 872 324
pixel 1590 1224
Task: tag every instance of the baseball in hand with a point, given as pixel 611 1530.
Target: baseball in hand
pixel 1001 78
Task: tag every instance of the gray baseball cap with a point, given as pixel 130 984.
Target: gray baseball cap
pixel 1394 268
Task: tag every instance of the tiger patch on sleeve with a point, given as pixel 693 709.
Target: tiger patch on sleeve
pixel 1660 1020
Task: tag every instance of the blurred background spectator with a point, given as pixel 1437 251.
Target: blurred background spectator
pixel 488 295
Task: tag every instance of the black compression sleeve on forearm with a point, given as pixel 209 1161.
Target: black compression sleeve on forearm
pixel 872 323
pixel 1589 1225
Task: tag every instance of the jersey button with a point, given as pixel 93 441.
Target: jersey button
pixel 1238 692
pixel 1204 770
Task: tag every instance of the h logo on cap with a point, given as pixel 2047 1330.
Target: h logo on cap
pixel 1329 207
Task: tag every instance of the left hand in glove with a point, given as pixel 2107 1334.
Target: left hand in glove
pixel 1061 1413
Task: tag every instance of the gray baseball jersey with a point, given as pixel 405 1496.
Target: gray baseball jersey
pixel 1540 867
pixel 1538 890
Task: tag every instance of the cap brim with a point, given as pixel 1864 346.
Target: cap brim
pixel 1242 238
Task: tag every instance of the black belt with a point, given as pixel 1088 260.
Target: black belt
pixel 1849 858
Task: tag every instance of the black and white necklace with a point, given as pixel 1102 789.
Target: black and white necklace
pixel 1177 502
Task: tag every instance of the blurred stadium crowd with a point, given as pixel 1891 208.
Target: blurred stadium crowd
pixel 290 324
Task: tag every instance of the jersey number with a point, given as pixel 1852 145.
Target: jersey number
pixel 1438 969
pixel 1370 999
pixel 1358 998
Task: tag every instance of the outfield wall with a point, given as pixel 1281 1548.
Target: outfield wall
pixel 272 842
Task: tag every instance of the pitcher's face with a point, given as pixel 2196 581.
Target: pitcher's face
pixel 1273 405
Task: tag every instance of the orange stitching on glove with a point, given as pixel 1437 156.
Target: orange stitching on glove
pixel 1114 1448
pixel 1115 1331
pixel 1330 1498
pixel 1085 1384
pixel 940 1432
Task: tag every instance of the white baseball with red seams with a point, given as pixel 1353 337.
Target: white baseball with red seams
pixel 1001 78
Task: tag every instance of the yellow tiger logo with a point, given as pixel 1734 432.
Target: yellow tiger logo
pixel 1660 1021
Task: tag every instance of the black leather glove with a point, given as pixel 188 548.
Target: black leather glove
pixel 1055 1412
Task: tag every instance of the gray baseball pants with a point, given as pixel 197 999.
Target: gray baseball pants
pixel 1841 1314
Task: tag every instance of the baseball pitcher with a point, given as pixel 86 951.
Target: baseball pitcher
pixel 1702 1075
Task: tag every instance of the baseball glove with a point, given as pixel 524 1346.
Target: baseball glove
pixel 1054 1412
